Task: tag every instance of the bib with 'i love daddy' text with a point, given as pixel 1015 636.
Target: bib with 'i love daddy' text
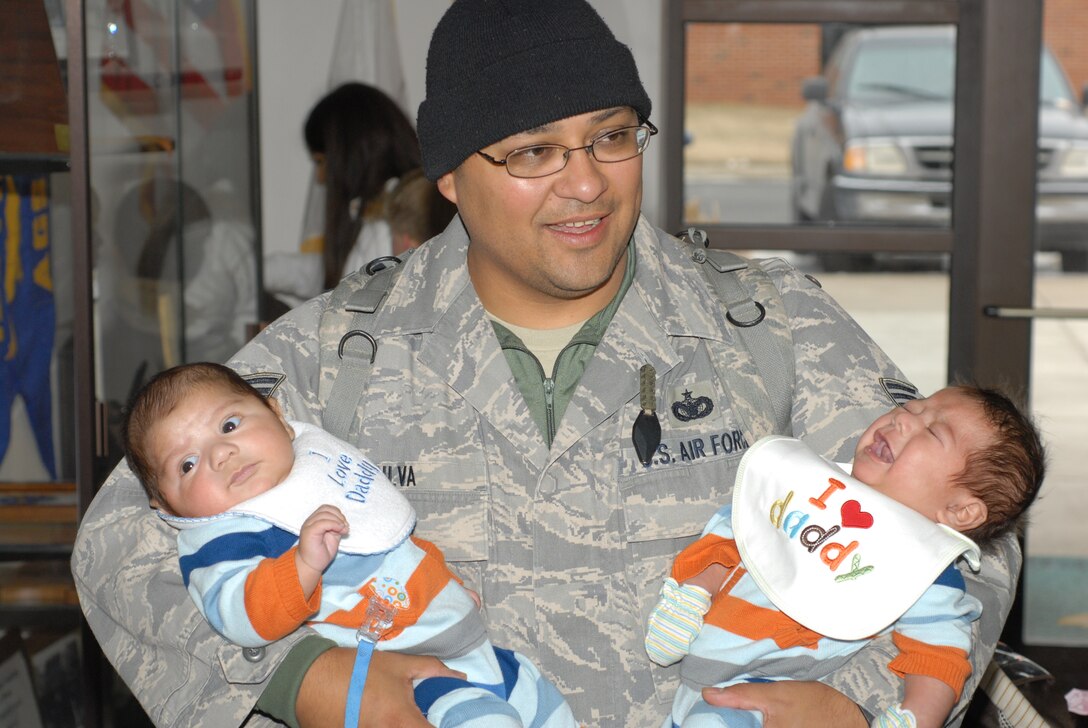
pixel 328 470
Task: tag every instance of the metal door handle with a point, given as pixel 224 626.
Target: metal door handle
pixel 1029 313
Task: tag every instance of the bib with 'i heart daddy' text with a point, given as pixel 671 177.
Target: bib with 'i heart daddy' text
pixel 832 553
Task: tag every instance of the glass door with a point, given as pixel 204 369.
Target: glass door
pixel 171 107
pixel 129 242
pixel 790 130
pixel 1055 577
pixel 1056 566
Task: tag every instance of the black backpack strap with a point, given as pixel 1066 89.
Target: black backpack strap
pixel 351 313
pixel 772 353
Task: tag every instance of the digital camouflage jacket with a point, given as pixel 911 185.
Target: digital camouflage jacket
pixel 567 546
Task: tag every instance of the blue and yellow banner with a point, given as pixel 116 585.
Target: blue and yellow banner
pixel 27 314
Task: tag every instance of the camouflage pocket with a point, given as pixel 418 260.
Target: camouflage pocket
pixel 664 511
pixel 675 502
pixel 455 521
pixel 648 565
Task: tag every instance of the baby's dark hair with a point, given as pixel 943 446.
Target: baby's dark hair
pixel 1007 473
pixel 158 398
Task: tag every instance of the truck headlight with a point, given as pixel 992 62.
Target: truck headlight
pixel 873 157
pixel 1074 162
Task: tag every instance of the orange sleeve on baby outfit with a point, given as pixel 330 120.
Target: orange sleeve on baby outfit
pixel 733 614
pixel 275 604
pixel 947 664
pixel 709 549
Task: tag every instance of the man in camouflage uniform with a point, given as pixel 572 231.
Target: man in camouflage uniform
pixel 526 475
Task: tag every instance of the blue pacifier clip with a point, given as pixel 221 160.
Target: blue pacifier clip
pixel 378 619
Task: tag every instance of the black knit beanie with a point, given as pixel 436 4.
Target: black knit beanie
pixel 500 67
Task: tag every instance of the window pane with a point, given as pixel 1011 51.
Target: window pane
pixel 819 124
pixel 170 99
pixel 1055 587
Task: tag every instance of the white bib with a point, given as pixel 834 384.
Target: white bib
pixel 328 470
pixel 829 551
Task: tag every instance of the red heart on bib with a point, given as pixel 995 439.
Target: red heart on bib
pixel 854 517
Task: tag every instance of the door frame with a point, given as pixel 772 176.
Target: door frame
pixel 991 237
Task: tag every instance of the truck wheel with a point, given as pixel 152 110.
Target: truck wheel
pixel 1075 261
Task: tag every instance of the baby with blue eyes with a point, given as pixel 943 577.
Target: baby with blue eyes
pixel 282 525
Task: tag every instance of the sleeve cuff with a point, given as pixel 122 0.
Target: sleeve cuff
pixel 279 696
pixel 708 550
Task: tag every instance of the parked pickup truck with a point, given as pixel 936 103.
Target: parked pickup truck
pixel 874 143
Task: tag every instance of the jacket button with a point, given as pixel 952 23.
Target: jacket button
pixel 253 654
pixel 548 486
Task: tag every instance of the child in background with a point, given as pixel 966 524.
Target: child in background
pixel 771 589
pixel 283 525
pixel 416 211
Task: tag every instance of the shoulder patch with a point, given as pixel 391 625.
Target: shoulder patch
pixel 265 382
pixel 899 392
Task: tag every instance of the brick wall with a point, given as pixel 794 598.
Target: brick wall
pixel 750 63
pixel 765 63
pixel 1065 25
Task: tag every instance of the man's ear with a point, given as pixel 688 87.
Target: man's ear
pixel 448 187
pixel 965 514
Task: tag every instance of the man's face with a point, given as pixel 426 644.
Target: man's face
pixel 549 239
pixel 913 453
pixel 216 449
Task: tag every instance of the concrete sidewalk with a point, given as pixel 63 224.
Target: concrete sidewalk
pixel 738 139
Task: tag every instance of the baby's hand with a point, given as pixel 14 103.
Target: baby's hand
pixel 320 537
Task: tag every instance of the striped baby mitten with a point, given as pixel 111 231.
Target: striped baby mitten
pixel 675 621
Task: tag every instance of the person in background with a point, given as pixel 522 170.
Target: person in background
pixel 361 143
pixel 416 211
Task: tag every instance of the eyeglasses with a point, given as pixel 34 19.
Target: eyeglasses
pixel 540 160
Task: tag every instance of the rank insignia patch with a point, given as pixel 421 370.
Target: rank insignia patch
pixel 899 392
pixel 265 382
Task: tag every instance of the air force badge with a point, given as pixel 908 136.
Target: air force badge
pixel 692 408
